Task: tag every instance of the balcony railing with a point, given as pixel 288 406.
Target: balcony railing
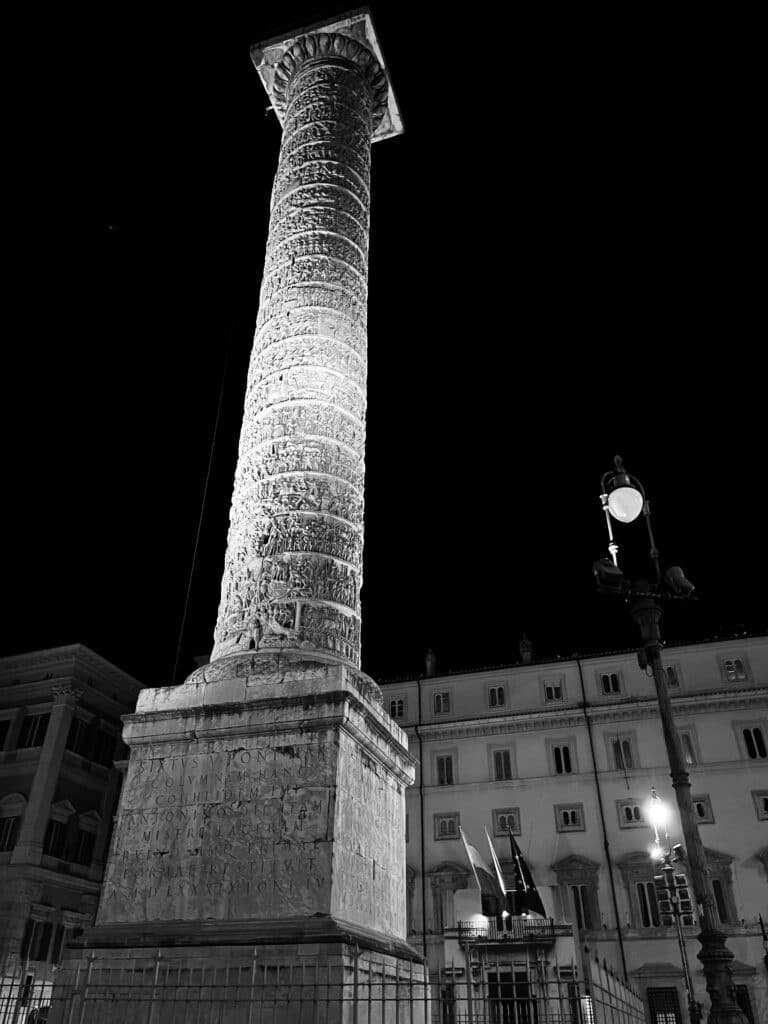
pixel 514 929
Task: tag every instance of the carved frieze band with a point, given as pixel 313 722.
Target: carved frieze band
pixel 293 567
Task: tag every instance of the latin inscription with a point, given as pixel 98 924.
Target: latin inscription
pixel 228 833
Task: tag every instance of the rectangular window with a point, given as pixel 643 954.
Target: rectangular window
pixel 447 825
pixel 722 909
pixel 734 670
pixel 581 906
pixel 37 940
pixel 610 683
pixel 673 679
pixel 55 839
pixel 562 759
pixel 760 796
pixel 506 820
pixel 445 769
pixel 664 1006
pixel 630 814
pixel 754 743
pixel 77 737
pixel 502 765
pixel 5 725
pixel 33 730
pixel 397 707
pixel 553 692
pixel 9 830
pixel 621 751
pixel 85 844
pixel 496 697
pixel 702 810
pixel 646 901
pixel 58 943
pixel 689 751
pixel 442 703
pixel 569 817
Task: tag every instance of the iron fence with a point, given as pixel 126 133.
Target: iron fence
pixel 359 989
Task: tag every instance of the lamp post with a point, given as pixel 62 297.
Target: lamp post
pixel 623 499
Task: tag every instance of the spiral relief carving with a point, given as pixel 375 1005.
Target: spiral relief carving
pixel 293 566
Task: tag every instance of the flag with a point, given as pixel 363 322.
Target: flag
pixel 497 867
pixel 491 892
pixel 526 899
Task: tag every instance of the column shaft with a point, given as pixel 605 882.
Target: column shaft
pixel 293 567
pixel 29 848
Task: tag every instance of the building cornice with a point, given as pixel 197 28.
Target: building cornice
pixel 67 660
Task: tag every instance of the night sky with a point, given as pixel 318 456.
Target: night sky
pixel 565 264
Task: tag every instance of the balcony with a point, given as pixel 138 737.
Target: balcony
pixel 537 931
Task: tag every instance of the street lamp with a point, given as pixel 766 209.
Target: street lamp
pixel 623 498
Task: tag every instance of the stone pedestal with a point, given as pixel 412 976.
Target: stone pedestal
pixel 262 823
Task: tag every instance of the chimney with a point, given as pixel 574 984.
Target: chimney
pixel 431 663
pixel 526 650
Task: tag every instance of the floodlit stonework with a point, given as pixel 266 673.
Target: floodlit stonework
pixel 293 566
pixel 263 813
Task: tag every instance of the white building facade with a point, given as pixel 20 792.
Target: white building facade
pixel 567 753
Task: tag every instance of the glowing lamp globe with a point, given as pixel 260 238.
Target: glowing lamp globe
pixel 625 503
pixel 658 813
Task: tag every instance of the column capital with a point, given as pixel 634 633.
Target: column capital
pixel 350 37
pixel 65 693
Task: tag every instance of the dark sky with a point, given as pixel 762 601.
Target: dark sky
pixel 566 263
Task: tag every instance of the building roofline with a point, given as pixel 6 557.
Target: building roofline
pixel 559 661
pixel 68 655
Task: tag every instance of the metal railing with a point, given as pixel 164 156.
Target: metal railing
pixel 360 988
pixel 514 929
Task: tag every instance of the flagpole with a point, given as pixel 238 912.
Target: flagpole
pixel 514 874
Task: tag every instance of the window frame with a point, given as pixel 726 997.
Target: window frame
pixel 451 757
pixel 560 826
pixel 493 692
pixel 684 729
pixel 509 750
pixel 439 695
pixel 674 666
pixel 403 699
pixel 32 715
pixel 553 681
pixel 709 816
pixel 731 658
pixel 623 822
pixel 446 816
pixel 498 832
pixel 552 746
pixel 740 726
pixel 614 694
pixel 758 795
pixel 629 737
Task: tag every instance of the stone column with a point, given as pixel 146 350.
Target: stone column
pixel 293 566
pixel 29 848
